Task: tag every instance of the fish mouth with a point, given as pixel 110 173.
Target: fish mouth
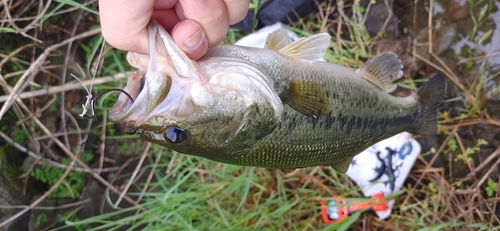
pixel 165 64
pixel 143 93
pixel 146 87
pixel 130 100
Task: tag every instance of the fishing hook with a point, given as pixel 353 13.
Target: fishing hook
pixel 92 100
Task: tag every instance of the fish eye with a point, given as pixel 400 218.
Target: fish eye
pixel 175 134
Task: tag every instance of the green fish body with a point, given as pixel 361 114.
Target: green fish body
pixel 277 107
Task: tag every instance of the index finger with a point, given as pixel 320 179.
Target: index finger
pixel 124 22
pixel 210 14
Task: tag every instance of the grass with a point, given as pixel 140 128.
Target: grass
pixel 170 191
pixel 196 194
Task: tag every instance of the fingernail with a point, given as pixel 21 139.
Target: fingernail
pixel 195 40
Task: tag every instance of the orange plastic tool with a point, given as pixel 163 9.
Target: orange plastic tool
pixel 338 208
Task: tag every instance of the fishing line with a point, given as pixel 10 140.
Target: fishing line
pixel 90 99
pixel 103 44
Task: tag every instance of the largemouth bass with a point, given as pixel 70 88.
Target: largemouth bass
pixel 277 107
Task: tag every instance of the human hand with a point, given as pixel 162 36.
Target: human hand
pixel 194 25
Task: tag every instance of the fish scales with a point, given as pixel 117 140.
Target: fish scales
pixel 363 118
pixel 277 107
pixel 306 141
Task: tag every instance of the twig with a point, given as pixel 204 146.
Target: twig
pixel 11 55
pixel 386 22
pixel 63 81
pixel 67 87
pixel 56 134
pixel 11 7
pixel 451 75
pixel 114 177
pixel 79 131
pixel 462 148
pixel 478 57
pixel 339 31
pixel 31 18
pixel 492 156
pixel 89 102
pixel 50 162
pixel 170 165
pixel 34 68
pixel 102 146
pixel 447 71
pixel 434 158
pixel 46 207
pixel 465 123
pixel 38 112
pixel 487 174
pixel 429 25
pixel 134 174
pixel 68 187
pixel 150 176
pixel 30 25
pixel 464 191
pixel 37 201
pixel 80 162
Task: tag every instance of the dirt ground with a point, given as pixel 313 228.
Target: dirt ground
pixel 42 43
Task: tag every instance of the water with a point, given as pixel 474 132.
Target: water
pixel 465 35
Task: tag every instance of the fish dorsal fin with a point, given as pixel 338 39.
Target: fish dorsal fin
pixel 277 40
pixel 382 71
pixel 312 47
pixel 342 165
pixel 306 97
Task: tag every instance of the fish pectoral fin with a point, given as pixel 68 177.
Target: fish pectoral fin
pixel 306 97
pixel 382 71
pixel 277 40
pixel 311 48
pixel 343 164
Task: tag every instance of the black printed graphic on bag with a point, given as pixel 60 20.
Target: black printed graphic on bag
pixel 386 168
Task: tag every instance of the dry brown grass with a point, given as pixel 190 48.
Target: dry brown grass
pixel 39 55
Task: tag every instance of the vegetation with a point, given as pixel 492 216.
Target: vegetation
pixel 454 185
pixel 72 184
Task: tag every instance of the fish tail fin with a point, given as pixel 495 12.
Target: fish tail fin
pixel 429 96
